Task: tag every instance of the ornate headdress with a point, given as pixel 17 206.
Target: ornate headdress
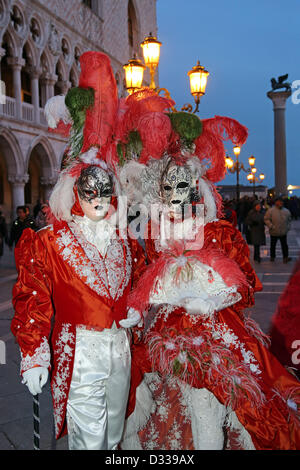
pixel 134 138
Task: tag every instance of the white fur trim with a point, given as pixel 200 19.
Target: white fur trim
pixel 130 181
pixel 90 157
pixel 62 197
pixel 209 201
pixel 55 110
pixel 144 407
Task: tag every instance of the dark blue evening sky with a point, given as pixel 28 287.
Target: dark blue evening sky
pixel 243 44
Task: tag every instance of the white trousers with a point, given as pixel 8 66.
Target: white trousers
pixel 207 416
pixel 99 389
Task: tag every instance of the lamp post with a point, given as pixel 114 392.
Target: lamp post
pixel 198 81
pixel 254 179
pixel 134 72
pixel 237 166
pixel 151 53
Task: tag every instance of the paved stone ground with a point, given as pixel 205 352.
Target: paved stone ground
pixel 16 427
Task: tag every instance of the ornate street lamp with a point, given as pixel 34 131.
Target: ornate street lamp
pixel 254 179
pixel 237 150
pixel 236 167
pixel 134 72
pixel 198 81
pixel 251 160
pixel 151 53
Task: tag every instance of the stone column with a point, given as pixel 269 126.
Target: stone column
pixel 64 86
pixel 16 63
pixel 48 82
pixel 279 102
pixel 47 183
pixel 34 74
pixel 17 185
pixel 2 85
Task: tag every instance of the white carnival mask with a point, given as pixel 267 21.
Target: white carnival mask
pixel 176 187
pixel 95 188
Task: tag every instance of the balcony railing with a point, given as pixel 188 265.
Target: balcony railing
pixel 27 112
pixel 8 109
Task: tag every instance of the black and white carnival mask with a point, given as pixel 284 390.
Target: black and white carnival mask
pixel 95 188
pixel 176 187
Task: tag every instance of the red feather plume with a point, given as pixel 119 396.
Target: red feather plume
pixel 96 73
pixel 210 147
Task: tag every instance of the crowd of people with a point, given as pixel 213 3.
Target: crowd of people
pixel 254 215
pixel 24 219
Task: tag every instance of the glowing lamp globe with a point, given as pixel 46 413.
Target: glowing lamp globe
pixel 236 150
pixel 229 162
pixel 134 73
pixel 198 80
pixel 151 50
pixel 251 160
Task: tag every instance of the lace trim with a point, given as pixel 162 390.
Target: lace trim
pixel 41 357
pixel 221 331
pixel 64 351
pixel 107 277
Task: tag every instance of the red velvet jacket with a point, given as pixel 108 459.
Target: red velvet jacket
pixel 63 276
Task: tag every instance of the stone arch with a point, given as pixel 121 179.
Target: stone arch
pixel 74 76
pixel 61 85
pixel 37 30
pixel 46 155
pixel 10 46
pixel 31 52
pixel 12 153
pixel 41 165
pixel 12 172
pixel 133 27
pixel 11 43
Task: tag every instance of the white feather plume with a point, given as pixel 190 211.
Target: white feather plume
pixel 62 197
pixel 56 110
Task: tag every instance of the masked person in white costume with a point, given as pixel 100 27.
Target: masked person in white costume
pixel 77 273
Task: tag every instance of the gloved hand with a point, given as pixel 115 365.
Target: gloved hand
pixel 199 306
pixel 133 318
pixel 35 379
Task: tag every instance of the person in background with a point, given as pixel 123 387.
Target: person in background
pixel 20 223
pixel 41 218
pixel 230 213
pixel 255 222
pixel 278 220
pixel 285 328
pixel 3 233
pixel 37 208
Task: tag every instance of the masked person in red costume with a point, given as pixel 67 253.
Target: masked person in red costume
pixel 78 271
pixel 202 374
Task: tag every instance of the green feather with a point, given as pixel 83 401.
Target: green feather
pixel 187 125
pixel 78 100
pixel 131 149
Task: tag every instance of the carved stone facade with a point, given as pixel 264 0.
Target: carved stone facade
pixel 40 45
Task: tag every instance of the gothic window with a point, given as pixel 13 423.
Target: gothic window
pixel 88 3
pixel 25 77
pixel 16 19
pixel 59 73
pixel 77 56
pixel 6 70
pixel 133 35
pixel 72 79
pixel 65 48
pixel 35 30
